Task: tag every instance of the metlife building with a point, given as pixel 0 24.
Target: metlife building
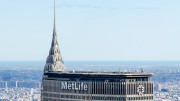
pixel 61 85
pixel 96 86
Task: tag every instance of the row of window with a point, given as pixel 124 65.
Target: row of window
pixel 100 98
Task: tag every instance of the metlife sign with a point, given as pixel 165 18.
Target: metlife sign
pixel 74 86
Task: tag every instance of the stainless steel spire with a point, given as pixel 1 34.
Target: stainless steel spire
pixel 54 62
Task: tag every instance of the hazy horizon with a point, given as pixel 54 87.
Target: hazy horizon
pixel 91 29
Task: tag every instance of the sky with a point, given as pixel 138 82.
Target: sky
pixel 91 29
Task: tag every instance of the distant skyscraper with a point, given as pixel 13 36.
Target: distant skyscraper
pixel 54 62
pixel 61 85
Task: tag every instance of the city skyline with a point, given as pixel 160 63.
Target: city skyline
pixel 91 30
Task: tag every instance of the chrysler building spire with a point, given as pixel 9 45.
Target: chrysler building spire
pixel 54 29
pixel 54 62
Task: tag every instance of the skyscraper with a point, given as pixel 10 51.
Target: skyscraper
pixel 54 60
pixel 61 85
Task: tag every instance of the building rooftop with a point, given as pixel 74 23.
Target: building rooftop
pixel 87 73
